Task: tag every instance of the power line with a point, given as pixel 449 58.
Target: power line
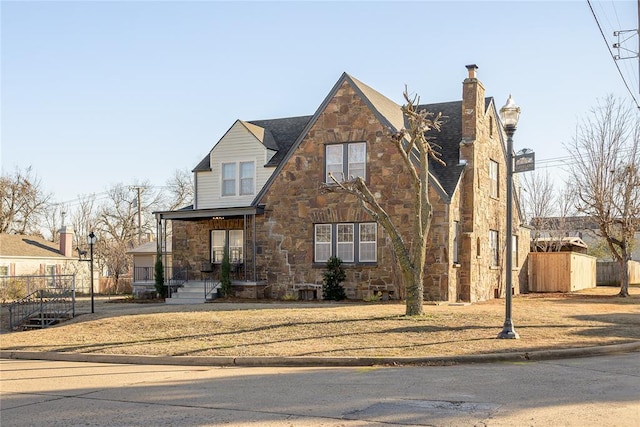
pixel 612 55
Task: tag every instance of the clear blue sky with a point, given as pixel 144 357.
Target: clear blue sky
pixel 99 93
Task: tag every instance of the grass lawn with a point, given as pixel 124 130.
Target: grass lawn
pixel 250 328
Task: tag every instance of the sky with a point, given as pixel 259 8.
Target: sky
pixel 98 93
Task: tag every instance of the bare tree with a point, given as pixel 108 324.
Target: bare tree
pixel 180 188
pixel 125 215
pixel 23 202
pixel 606 176
pixel 416 150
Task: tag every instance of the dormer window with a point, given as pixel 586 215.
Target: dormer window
pixel 238 178
pixel 345 161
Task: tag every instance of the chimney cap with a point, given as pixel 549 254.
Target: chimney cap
pixel 472 70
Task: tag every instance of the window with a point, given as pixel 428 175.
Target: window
pixel 345 161
pixel 514 250
pixel 456 233
pixel 50 270
pixel 351 242
pixel 231 240
pixel 493 177
pixel 368 243
pixel 235 246
pixel 218 243
pixel 246 178
pixel 493 247
pixel 228 179
pixel 322 242
pixel 345 242
pixel 4 270
pixel 244 173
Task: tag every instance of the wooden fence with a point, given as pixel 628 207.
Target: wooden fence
pixel 608 273
pixel 561 271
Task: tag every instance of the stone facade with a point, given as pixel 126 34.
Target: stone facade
pixel 294 201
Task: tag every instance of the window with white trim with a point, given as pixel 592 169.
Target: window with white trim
pixel 456 235
pixel 228 179
pixel 322 243
pixel 493 177
pixel 514 250
pixel 351 242
pixel 231 240
pixel 345 161
pixel 247 172
pixel 494 249
pixel 238 178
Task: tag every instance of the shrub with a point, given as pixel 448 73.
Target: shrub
pixel 225 275
pixel 161 289
pixel 333 277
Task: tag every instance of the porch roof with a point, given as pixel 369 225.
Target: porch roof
pixel 190 214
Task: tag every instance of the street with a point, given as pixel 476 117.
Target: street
pixel 602 391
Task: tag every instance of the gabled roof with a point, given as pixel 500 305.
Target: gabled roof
pixel 275 134
pixel 444 178
pixel 283 132
pixel 19 245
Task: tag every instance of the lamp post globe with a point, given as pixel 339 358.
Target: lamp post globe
pixel 510 114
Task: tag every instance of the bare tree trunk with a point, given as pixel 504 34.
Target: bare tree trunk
pixel 624 276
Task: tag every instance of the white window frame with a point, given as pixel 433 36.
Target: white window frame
pixel 347 167
pixel 494 178
pixel 494 247
pixel 246 179
pixel 514 251
pixel 345 240
pixel 322 243
pixel 227 179
pixel 231 239
pixel 367 243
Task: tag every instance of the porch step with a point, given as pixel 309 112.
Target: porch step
pixel 191 292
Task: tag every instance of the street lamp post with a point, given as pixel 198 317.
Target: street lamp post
pixel 510 114
pixel 91 239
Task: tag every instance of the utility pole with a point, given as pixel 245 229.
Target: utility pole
pixel 623 37
pixel 139 205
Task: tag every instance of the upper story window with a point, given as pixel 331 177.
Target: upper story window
pixel 4 270
pixel 456 238
pixel 351 242
pixel 345 161
pixel 246 178
pixel 238 178
pixel 493 177
pixel 494 249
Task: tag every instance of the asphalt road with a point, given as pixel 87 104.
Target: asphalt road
pixel 595 391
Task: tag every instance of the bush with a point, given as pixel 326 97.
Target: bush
pixel 161 289
pixel 225 275
pixel 333 277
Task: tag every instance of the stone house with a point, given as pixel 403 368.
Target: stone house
pixel 259 194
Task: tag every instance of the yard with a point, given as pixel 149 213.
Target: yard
pixel 277 328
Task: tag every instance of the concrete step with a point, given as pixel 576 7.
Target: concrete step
pixel 185 300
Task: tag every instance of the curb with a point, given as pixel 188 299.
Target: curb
pixel 277 361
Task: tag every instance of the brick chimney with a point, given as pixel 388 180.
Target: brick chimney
pixel 66 241
pixel 472 104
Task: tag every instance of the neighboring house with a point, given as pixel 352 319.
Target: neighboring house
pixel 144 260
pixel 258 193
pixel 553 229
pixel 22 255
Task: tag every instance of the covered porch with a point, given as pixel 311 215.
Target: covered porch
pixel 200 237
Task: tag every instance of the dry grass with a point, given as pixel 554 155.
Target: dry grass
pixel 544 321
